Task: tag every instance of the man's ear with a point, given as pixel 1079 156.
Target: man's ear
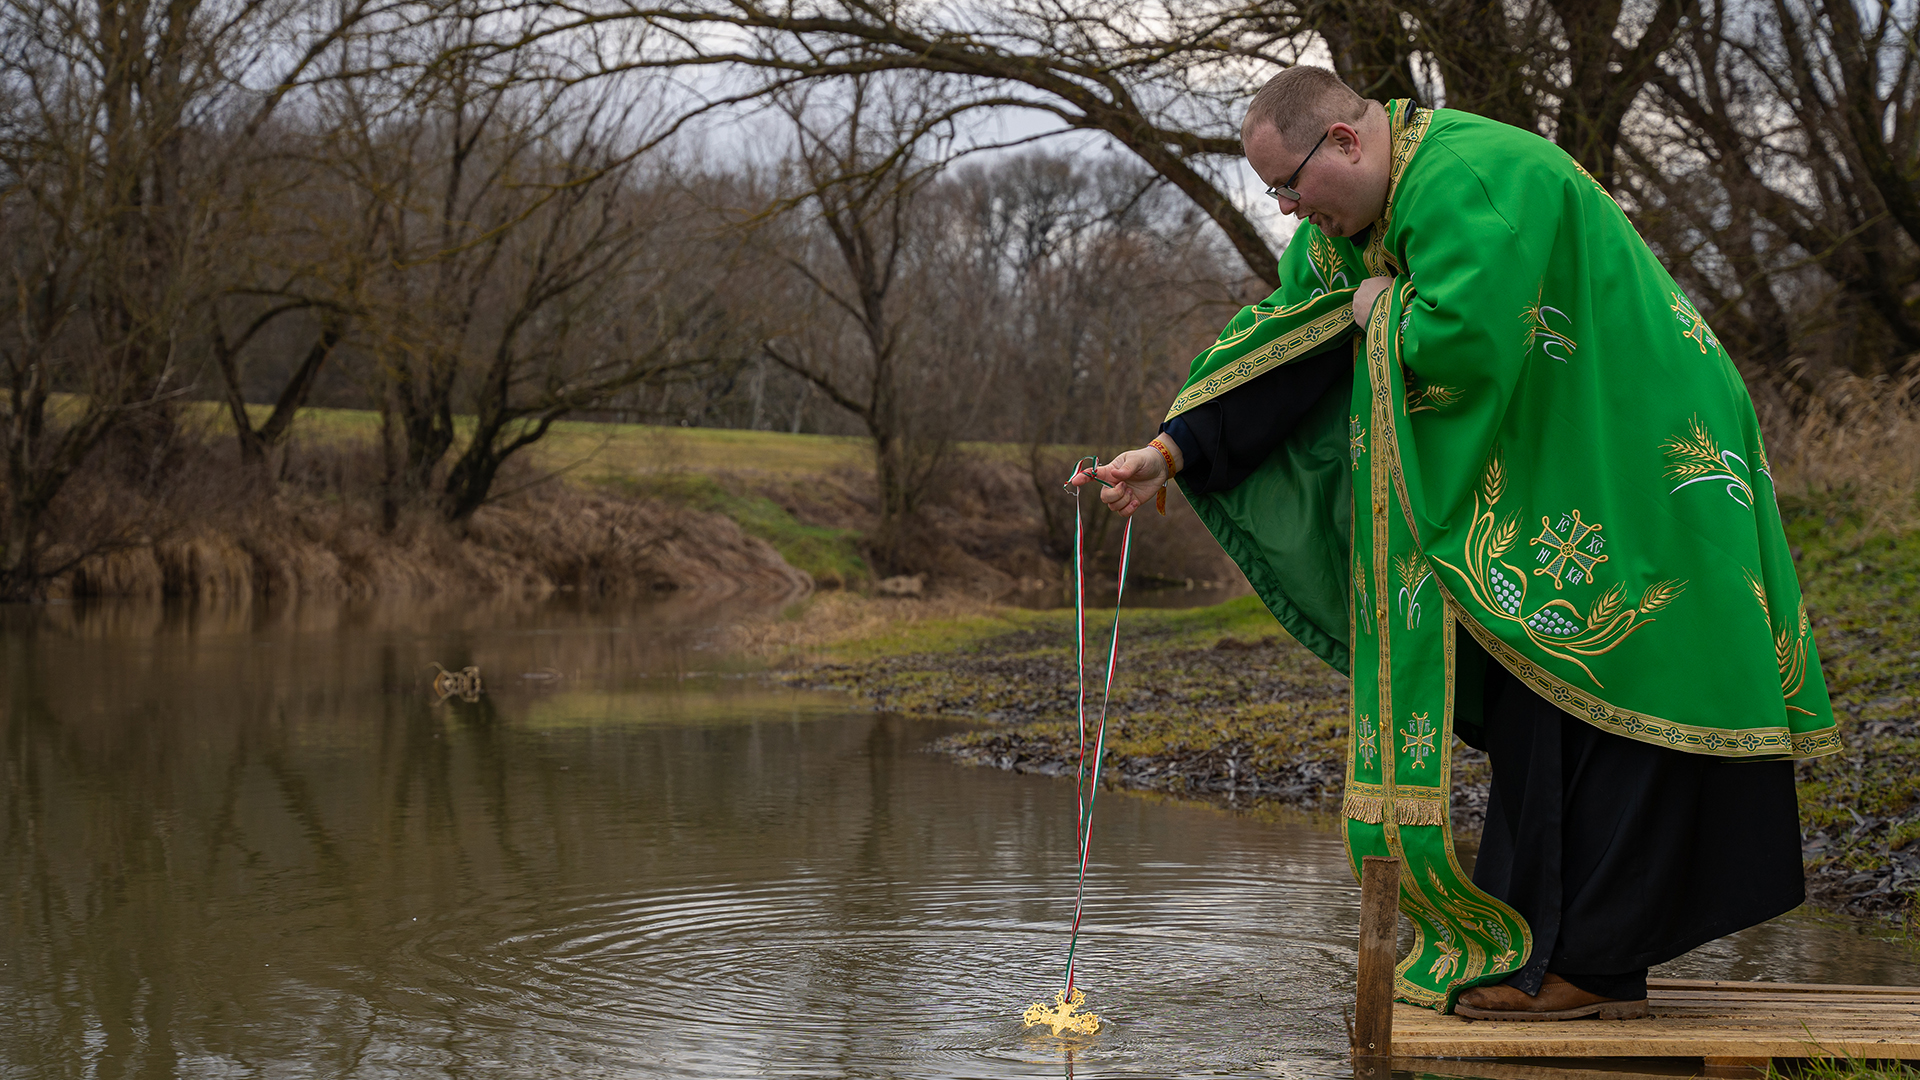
pixel 1345 139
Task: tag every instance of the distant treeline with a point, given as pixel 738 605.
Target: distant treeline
pixel 718 212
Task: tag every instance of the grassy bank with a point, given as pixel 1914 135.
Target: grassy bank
pixel 597 451
pixel 595 508
pixel 612 509
pixel 1843 1069
pixel 1217 703
pixel 1860 809
pixel 602 508
pixel 813 499
pixel 731 474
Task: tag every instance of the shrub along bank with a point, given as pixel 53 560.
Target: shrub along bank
pixel 1218 704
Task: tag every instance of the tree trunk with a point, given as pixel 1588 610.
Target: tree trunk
pixel 890 471
pixel 19 556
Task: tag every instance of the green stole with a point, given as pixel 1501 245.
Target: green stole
pixel 1503 381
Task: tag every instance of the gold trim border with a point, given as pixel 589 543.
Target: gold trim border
pixel 1287 347
pixel 1754 742
pixel 1423 804
pixel 1409 129
pixel 1261 317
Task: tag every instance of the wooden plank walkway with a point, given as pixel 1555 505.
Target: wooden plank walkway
pixel 1724 1023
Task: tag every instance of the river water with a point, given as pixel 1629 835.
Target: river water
pixel 256 842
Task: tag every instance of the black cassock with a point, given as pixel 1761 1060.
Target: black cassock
pixel 1619 854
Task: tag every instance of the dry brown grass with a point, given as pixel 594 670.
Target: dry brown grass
pixel 1849 450
pixel 216 530
pixel 609 509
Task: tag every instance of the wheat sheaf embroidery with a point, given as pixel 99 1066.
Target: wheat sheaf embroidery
pixel 1696 458
pixel 1789 642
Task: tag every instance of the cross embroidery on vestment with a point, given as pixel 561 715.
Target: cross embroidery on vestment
pixel 1557 549
pixel 1417 739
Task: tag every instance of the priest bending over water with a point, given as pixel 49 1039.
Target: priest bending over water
pixel 1482 454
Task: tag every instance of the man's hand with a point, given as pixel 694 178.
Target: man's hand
pixel 1365 295
pixel 1136 476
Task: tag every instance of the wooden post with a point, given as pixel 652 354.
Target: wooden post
pixel 1379 925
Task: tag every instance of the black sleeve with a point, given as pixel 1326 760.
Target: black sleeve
pixel 1222 441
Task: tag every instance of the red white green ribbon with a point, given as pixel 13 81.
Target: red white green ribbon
pixel 1088 785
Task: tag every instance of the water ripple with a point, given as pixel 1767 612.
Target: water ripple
pixel 926 976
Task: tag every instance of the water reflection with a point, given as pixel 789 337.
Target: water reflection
pixel 253 842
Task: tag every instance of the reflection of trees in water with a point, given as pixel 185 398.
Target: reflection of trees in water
pixel 90 923
pixel 690 612
pixel 205 804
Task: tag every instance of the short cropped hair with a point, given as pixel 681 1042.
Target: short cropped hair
pixel 1301 103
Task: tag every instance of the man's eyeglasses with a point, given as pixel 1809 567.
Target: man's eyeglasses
pixel 1285 190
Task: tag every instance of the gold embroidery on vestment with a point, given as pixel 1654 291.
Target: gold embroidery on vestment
pixel 1259 316
pixel 1597 185
pixel 1325 263
pixel 1771 741
pixel 1557 628
pixel 1431 398
pixel 1413 572
pixel 1555 343
pixel 1409 127
pixel 1416 739
pixel 1557 550
pixel 1696 329
pixel 1608 622
pixel 1695 458
pixel 1789 642
pixel 1412 805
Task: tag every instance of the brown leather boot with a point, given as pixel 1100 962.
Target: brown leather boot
pixel 1558 999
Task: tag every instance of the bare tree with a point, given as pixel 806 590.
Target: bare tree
pixel 1167 81
pixel 859 259
pixel 522 268
pixel 1775 167
pixel 297 253
pixel 1572 70
pixel 1095 284
pixel 119 119
pixel 1162 80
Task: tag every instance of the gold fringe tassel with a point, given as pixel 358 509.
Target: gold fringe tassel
pixel 1408 809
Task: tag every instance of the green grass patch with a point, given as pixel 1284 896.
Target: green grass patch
pixel 1844 1069
pixel 594 452
pixel 1051 632
pixel 597 452
pixel 830 555
pixel 1860 808
pixel 1904 834
pixel 945 636
pixel 1243 618
pixel 615 451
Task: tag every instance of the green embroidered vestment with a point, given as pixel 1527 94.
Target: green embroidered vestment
pixel 1545 447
